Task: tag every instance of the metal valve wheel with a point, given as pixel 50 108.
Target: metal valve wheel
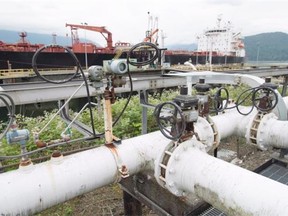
pixel 264 99
pixel 170 120
pixel 219 99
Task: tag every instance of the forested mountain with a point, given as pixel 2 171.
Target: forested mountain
pixel 13 36
pixel 268 46
pixel 190 47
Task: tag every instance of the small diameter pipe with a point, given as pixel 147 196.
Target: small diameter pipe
pixel 34 188
pixel 229 188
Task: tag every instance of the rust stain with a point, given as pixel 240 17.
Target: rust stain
pixel 40 144
pixel 112 148
pixel 26 162
pixel 56 154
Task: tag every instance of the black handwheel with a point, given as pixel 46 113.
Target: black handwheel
pixel 43 77
pixel 219 99
pixel 264 99
pixel 170 120
pixel 10 106
pixel 148 52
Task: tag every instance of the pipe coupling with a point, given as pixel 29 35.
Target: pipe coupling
pixel 167 164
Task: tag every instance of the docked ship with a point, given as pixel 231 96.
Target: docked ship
pixel 19 55
pixel 219 45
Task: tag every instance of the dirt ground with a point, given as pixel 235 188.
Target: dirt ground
pixel 108 200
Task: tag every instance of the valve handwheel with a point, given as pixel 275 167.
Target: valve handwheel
pixel 218 99
pixel 67 78
pixel 144 48
pixel 170 120
pixel 266 102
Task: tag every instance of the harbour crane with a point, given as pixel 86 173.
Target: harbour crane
pixel 102 30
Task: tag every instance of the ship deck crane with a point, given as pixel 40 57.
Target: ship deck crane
pixel 100 29
pixel 149 37
pixel 151 33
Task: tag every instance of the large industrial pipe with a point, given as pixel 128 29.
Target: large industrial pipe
pixel 270 132
pixel 233 123
pixel 32 189
pixel 227 187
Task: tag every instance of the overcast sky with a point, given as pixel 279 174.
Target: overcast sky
pixel 180 20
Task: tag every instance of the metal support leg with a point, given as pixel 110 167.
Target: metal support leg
pixel 144 120
pixel 284 89
pixel 144 98
pixel 1 169
pixel 131 205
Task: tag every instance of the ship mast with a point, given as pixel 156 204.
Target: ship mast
pixel 23 36
pixel 219 18
pixel 54 35
pixel 152 32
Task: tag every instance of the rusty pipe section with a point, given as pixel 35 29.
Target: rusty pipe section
pixel 34 188
pixel 229 188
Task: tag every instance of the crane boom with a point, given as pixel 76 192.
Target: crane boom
pixel 100 29
pixel 150 36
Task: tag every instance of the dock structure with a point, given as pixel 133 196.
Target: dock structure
pixel 28 92
pixel 156 170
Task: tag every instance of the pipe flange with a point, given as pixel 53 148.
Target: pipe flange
pixel 216 137
pixel 261 130
pixel 256 129
pixel 172 165
pixel 204 131
pixel 161 163
pixel 165 164
pixel 253 129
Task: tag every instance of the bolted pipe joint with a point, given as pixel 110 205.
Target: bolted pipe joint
pixel 165 163
pixel 190 171
pixel 272 132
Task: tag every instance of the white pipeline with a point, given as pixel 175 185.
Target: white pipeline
pixel 271 132
pixel 234 190
pixel 229 188
pixel 233 123
pixel 32 189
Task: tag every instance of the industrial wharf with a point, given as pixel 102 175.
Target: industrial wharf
pixel 27 86
pixel 135 191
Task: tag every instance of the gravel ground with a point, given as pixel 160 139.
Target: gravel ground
pixel 108 200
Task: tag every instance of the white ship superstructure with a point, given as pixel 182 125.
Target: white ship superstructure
pixel 221 41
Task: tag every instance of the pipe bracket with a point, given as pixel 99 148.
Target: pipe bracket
pixel 122 168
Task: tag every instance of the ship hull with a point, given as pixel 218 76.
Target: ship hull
pixel 23 60
pixel 20 60
pixel 175 59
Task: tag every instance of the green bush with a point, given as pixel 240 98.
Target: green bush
pixel 129 125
